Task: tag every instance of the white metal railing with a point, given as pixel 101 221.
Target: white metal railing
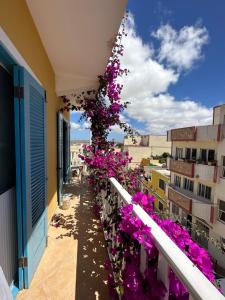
pixel 170 256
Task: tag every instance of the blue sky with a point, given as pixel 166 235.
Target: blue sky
pixel 206 82
pixel 175 51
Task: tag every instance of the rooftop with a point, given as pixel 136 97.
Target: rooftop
pixel 164 172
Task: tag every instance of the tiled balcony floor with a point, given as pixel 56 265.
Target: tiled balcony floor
pixel 72 265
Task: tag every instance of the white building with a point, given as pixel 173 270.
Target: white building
pixel 197 189
pixel 76 148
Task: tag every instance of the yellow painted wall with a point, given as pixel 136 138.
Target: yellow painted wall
pixel 158 192
pixel 16 21
pixel 145 162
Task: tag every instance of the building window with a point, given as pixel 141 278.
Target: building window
pixel 194 154
pixel 188 153
pixel 162 184
pixel 188 185
pixel 179 153
pixel 203 155
pixel 175 209
pixel 207 155
pixel 223 166
pixel 202 234
pixel 177 181
pixel 222 241
pixel 191 154
pixel 204 191
pixel 160 206
pixel 211 155
pixel 222 210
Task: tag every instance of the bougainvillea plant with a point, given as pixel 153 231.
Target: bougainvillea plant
pixel 132 234
pixel 105 163
pixel 103 107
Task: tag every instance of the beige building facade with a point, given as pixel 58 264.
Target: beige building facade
pixel 147 146
pixel 76 148
pixel 197 188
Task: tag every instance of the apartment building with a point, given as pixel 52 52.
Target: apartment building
pixel 76 148
pixel 197 187
pixel 146 147
pixel 158 186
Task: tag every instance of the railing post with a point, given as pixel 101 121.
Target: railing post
pixel 143 259
pixel 163 274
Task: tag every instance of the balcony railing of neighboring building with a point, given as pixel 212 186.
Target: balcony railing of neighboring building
pixel 183 134
pixel 206 172
pixel 201 133
pixel 175 195
pixel 193 204
pixel 194 168
pixel 182 167
pixel 170 256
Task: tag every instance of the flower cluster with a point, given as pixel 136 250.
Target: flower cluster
pixel 104 164
pixel 134 233
pixel 133 183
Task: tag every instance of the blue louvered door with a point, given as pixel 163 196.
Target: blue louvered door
pixel 31 177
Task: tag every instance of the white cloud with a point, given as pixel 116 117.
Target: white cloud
pixel 146 86
pixel 86 125
pixel 74 125
pixel 181 48
pixel 145 71
pixel 80 126
pixel 117 129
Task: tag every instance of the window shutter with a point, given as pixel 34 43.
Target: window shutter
pixel 31 172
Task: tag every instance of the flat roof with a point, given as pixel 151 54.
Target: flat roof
pixel 163 172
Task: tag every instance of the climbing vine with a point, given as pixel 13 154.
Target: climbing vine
pixel 103 107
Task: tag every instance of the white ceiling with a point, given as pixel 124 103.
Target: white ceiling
pixel 77 36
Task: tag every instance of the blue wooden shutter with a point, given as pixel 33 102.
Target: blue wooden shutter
pixel 31 176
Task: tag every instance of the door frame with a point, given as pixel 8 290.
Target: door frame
pixel 60 119
pixel 10 57
pixel 61 146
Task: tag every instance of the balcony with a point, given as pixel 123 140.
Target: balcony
pixel 192 169
pixel 180 199
pixel 201 133
pixel 170 256
pixel 182 134
pixel 192 204
pixel 78 248
pixel 73 264
pixel 206 172
pixel 204 211
pixel 182 167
